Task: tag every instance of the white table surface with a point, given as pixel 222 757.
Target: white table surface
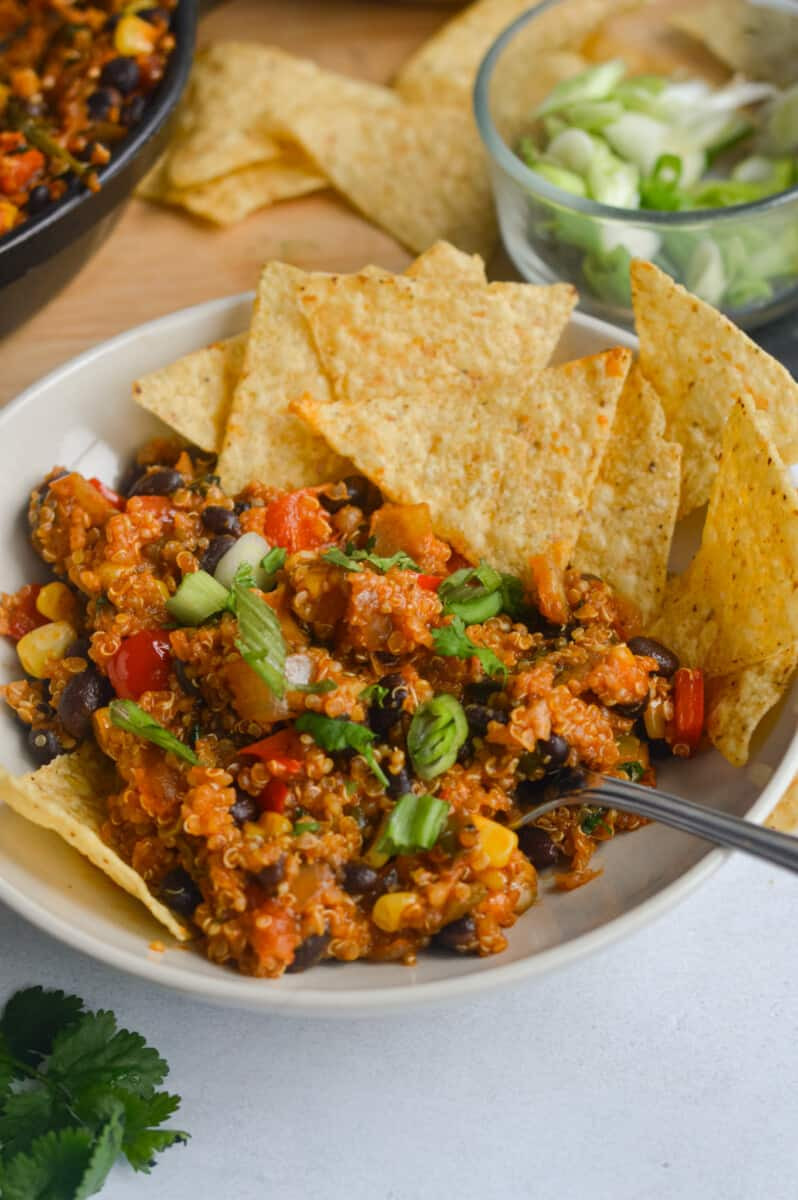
pixel 665 1068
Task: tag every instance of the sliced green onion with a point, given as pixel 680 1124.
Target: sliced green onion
pixel 198 597
pixel 128 715
pixel 437 731
pixel 306 827
pixel 780 135
pixel 607 275
pixel 415 823
pixel 260 639
pixel 638 139
pixel 591 115
pixel 567 180
pixel 596 83
pixel 572 149
pixel 270 564
pixel 250 550
pixel 611 181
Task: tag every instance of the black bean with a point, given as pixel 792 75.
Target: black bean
pixel 44 745
pixel 530 792
pixel 217 519
pixel 480 693
pixel 161 481
pixel 536 844
pixel 309 953
pixel 553 751
pixel 78 649
pixel 245 808
pixel 121 73
pixel 179 892
pixel 38 199
pixel 73 183
pixel 572 779
pixel 242 506
pixel 359 879
pixel 269 877
pixel 387 882
pixel 100 103
pixel 188 685
pixel 216 552
pixel 479 717
pixel 383 714
pixel 399 784
pixel 81 697
pixel 459 936
pixel 363 493
pixel 667 662
pixel 337 499
pixel 133 110
pixel 632 710
pixel 131 474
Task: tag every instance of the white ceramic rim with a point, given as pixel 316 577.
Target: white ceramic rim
pixel 226 990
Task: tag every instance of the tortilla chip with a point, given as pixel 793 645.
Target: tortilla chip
pixel 698 362
pixel 737 604
pixel 761 42
pixel 627 533
pixel 241 96
pixel 443 70
pixel 409 334
pixel 194 395
pixel 736 703
pixel 418 172
pixel 445 262
pixel 475 450
pixel 235 196
pixel 67 797
pixel 785 815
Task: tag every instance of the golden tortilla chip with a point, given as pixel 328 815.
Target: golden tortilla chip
pixel 443 70
pixel 67 797
pixel 194 395
pixel 505 466
pixel 737 604
pixel 698 362
pixel 233 197
pixel 627 532
pixel 761 42
pixel 445 262
pixel 419 172
pixel 785 814
pixel 736 703
pixel 242 95
pixel 407 333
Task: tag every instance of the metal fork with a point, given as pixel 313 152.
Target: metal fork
pixel 706 823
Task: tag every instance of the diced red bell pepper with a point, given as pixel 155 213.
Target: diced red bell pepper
pixel 141 664
pixel 23 615
pixel 16 170
pixel 273 797
pixel 283 749
pixel 296 521
pixel 684 731
pixel 430 583
pixel 108 493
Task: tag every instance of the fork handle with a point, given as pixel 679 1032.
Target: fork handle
pixel 707 823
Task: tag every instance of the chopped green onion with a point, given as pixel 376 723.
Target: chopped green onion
pixel 415 824
pixel 198 597
pixel 596 83
pixel 559 177
pixel 306 827
pixel 437 731
pixel 249 550
pixel 128 715
pixel 333 735
pixel 260 639
pixel 270 564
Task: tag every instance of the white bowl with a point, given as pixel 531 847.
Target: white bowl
pixel 81 416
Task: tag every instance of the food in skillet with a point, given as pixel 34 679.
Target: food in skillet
pixel 297 682
pixel 74 80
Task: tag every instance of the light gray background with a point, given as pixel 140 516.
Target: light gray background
pixel 665 1067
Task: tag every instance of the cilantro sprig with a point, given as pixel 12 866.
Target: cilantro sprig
pixel 352 559
pixel 332 734
pixel 76 1092
pixel 452 641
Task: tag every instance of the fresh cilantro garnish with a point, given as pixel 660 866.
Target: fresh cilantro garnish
pixel 633 770
pixel 415 823
pixel 75 1093
pixel 131 717
pixel 260 639
pixel 306 827
pixel 334 735
pixel 478 593
pixel 375 693
pixel 452 641
pixel 352 559
pixel 592 820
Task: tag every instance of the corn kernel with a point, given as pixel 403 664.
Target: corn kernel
pixel 134 36
pixel 109 572
pixel 493 879
pixel 8 215
pixel 275 824
pixel 39 647
pixel 387 913
pixel 56 602
pixel 496 841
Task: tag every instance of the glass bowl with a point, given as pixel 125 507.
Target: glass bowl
pixel 742 259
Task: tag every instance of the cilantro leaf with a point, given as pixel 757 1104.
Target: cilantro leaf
pixel 332 734
pixel 29 1115
pixel 105 1152
pixel 452 641
pixel 592 820
pixel 260 638
pixel 351 560
pixel 131 717
pixel 53 1169
pixel 375 693
pixel 95 1053
pixel 31 1019
pixel 633 770
pixel 7 1067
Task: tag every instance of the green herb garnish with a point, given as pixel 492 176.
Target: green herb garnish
pixel 334 735
pixel 75 1093
pixel 315 689
pixel 271 563
pixel 591 822
pixel 414 824
pixel 260 639
pixel 352 559
pixel 633 770
pixel 452 641
pixel 437 731
pixel 128 715
pixel 306 827
pixel 375 693
pixel 477 593
pixel 198 598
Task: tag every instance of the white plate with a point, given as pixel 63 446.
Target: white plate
pixel 81 416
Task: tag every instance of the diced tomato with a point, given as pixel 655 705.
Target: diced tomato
pixel 141 664
pixel 16 170
pixel 108 493
pixel 23 615
pixel 273 797
pixel 430 583
pixel 684 731
pixel 283 750
pixel 296 521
